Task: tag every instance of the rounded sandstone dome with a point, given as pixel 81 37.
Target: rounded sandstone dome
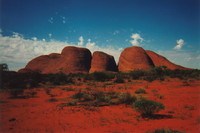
pixel 134 58
pixel 71 60
pixel 75 59
pixel 103 62
pixel 159 60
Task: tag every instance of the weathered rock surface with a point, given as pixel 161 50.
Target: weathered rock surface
pixel 134 58
pixel 103 62
pixel 159 60
pixel 71 60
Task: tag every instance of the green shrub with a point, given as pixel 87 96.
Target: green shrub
pixel 83 96
pixel 137 74
pixel 101 96
pixel 164 131
pixel 17 93
pixel 102 76
pixel 150 77
pixel 57 79
pixel 73 102
pixel 148 107
pixel 119 78
pixel 126 98
pixel 52 100
pixel 140 91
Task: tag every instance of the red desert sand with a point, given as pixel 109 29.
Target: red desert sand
pixel 44 113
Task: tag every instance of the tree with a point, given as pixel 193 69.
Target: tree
pixel 3 67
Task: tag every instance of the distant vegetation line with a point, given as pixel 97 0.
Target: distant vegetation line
pixel 14 80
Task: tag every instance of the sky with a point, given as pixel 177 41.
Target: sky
pixel 29 28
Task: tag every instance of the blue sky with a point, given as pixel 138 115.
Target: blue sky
pixel 169 27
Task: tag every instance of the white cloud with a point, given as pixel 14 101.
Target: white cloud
pixel 50 35
pixel 81 41
pixel 137 39
pixel 62 17
pixel 116 32
pixel 34 38
pixel 17 51
pixel 90 44
pixel 63 21
pixel 179 45
pixel 51 20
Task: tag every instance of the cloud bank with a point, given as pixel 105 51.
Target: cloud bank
pixel 16 51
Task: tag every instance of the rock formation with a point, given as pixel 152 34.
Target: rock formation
pixel 71 60
pixel 159 60
pixel 102 62
pixel 134 58
pixel 74 60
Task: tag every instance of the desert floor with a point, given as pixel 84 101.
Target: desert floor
pixel 45 113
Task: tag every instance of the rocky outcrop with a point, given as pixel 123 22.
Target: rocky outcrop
pixel 71 60
pixel 159 60
pixel 103 62
pixel 79 60
pixel 134 58
pixel 75 60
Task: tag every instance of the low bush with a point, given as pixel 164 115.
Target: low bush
pixel 95 98
pixel 100 96
pixel 119 78
pixel 52 100
pixel 17 93
pixel 126 98
pixel 83 96
pixel 141 91
pixel 137 74
pixel 102 76
pixel 148 107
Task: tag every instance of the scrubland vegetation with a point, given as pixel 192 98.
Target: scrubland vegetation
pixel 94 92
pixel 13 80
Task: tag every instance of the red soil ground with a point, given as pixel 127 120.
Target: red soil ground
pixel 38 115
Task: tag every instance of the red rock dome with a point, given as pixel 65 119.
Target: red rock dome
pixel 134 58
pixel 71 60
pixel 75 60
pixel 103 62
pixel 159 60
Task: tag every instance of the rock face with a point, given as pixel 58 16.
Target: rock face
pixel 134 58
pixel 71 60
pixel 103 62
pixel 159 60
